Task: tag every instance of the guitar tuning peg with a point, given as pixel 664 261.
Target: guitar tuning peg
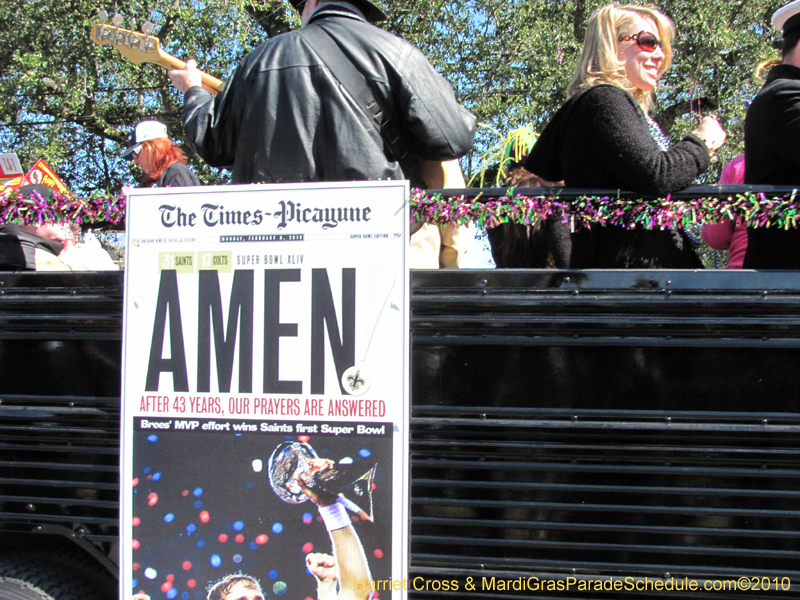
pixel 147 27
pixel 103 16
pixel 117 20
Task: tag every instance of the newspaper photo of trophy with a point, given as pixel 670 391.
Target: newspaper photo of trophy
pixel 294 467
pixel 260 513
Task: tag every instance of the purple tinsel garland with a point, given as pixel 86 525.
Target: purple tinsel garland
pixel 33 209
pixel 751 209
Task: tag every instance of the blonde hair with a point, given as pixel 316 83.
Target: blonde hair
pixel 599 61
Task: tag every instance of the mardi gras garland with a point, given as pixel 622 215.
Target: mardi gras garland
pixel 752 209
pixel 33 209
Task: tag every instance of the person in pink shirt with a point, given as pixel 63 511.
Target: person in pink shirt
pixel 726 235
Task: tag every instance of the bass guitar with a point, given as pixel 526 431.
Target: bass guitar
pixel 140 47
pixel 143 47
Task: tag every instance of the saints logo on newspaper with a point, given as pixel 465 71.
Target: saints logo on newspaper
pixel 265 389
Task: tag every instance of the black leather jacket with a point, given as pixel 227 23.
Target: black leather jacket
pixel 283 117
pixel 772 157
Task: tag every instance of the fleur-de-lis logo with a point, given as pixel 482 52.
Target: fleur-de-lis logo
pixel 355 381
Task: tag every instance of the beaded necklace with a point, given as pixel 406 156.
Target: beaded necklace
pixel 663 144
pixel 655 132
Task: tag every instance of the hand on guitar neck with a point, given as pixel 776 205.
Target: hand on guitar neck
pixel 187 76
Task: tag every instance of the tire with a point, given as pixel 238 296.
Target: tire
pixel 16 589
pixel 31 578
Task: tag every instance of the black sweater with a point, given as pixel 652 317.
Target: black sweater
pixel 600 138
pixel 177 175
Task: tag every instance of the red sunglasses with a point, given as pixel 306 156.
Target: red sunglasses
pixel 644 39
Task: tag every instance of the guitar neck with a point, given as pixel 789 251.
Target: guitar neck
pixel 141 47
pixel 210 83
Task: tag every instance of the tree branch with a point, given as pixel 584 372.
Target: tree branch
pixel 667 117
pixel 271 15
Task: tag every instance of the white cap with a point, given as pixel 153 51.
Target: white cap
pixel 146 130
pixel 783 14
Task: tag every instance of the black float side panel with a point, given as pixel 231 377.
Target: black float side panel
pixel 617 426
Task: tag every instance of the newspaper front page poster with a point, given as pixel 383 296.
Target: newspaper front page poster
pixel 265 392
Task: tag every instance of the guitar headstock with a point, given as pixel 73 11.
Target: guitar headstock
pixel 136 47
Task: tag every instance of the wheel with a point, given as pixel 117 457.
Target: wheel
pixel 35 578
pixel 16 589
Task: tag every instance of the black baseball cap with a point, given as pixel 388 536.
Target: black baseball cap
pixel 371 12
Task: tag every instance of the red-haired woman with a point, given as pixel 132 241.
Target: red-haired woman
pixel 162 161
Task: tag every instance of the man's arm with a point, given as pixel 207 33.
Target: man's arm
pixel 354 575
pixel 354 572
pixel 209 126
pixel 323 568
pixel 440 128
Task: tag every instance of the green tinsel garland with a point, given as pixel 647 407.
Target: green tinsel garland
pixel 751 209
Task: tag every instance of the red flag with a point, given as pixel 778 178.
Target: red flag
pixel 42 173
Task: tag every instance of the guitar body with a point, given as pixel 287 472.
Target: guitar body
pixel 441 175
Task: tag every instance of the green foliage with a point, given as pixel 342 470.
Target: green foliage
pixel 73 103
pixel 64 99
pixel 717 49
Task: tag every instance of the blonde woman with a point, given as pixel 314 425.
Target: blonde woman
pixel 603 137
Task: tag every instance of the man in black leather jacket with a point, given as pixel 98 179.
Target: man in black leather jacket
pixel 283 116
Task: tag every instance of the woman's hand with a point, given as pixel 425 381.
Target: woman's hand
pixel 711 132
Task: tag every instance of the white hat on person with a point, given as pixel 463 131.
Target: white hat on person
pixel 787 17
pixel 145 130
